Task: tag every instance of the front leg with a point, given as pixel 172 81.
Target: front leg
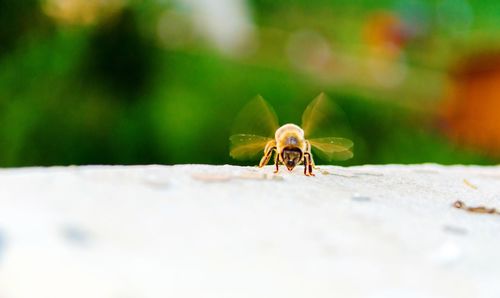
pixel 308 164
pixel 312 162
pixel 305 165
pixel 268 152
pixel 276 162
pixel 308 149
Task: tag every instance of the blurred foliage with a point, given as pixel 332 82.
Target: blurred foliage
pixel 141 84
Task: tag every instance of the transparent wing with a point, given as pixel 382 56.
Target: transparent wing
pixel 253 128
pixel 256 118
pixel 247 146
pixel 322 118
pixel 332 148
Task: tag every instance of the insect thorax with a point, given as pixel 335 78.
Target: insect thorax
pixel 291 136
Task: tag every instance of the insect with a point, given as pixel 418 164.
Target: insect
pixel 257 130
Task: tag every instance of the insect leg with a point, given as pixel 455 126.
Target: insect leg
pixel 308 164
pixel 276 161
pixel 308 149
pixel 305 165
pixel 312 162
pixel 268 151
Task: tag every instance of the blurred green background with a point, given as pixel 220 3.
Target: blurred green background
pixel 139 82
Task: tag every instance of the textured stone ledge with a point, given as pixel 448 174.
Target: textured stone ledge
pixel 228 231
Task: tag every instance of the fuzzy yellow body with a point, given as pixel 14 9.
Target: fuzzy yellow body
pixel 290 135
pixel 291 149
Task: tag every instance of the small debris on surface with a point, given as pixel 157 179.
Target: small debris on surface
pixel 75 235
pixel 368 174
pixel 245 176
pixel 360 198
pixel 480 209
pixel 259 176
pixel 455 230
pixel 469 184
pixel 492 176
pixel 337 173
pixel 211 177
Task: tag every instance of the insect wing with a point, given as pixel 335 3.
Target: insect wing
pixel 322 118
pixel 246 146
pixel 254 126
pixel 256 118
pixel 332 148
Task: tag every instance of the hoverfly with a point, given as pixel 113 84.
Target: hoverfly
pixel 257 130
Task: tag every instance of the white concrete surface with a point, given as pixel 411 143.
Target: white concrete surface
pixel 227 231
